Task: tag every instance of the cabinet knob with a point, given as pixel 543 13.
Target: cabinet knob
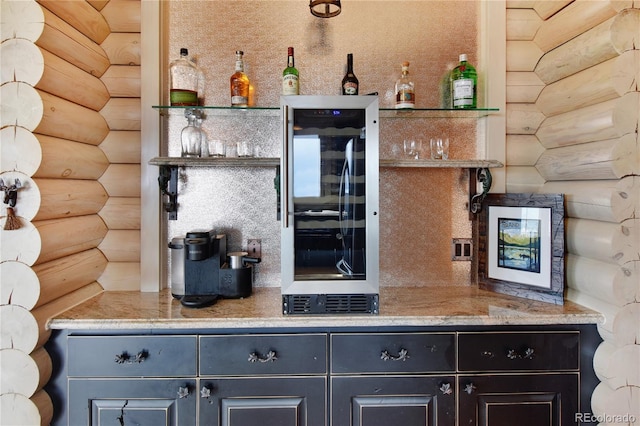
pixel 527 353
pixel 403 355
pixel 183 392
pixel 446 389
pixel 205 392
pixel 270 357
pixel 469 388
pixel 125 358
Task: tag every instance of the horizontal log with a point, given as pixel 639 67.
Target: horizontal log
pixel 601 43
pixel 121 246
pixel 616 404
pixel 19 329
pixel 24 373
pixel 546 8
pixel 20 285
pixel 121 213
pixel 603 281
pixel 24 411
pixel 21 61
pixel 67 81
pixel 21 245
pixel 523 87
pixel 122 180
pixel 523 150
pixel 66 120
pixel 81 16
pixel 44 313
pixel 123 113
pixel 575 19
pixel 70 235
pixel 98 4
pixel 122 81
pixel 601 359
pixel 121 276
pixel 122 146
pixel 67 159
pixel 523 179
pixel 21 20
pixel 523 119
pixel 522 24
pixel 606 120
pixel 123 16
pixel 607 200
pixel 123 48
pixel 67 274
pixel 20 150
pixel 606 309
pixel 611 159
pixel 63 40
pixel 605 81
pixel 522 55
pixel 604 241
pixel 69 197
pixel 623 368
pixel 21 106
pixel 625 327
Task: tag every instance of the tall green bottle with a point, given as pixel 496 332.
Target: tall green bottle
pixel 464 84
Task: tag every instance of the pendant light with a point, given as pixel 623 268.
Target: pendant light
pixel 325 8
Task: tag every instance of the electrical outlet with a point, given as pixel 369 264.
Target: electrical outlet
pixel 461 249
pixel 254 248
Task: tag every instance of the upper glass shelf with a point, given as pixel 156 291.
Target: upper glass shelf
pixel 384 112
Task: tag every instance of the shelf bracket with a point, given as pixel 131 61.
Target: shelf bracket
pixel 482 175
pixel 168 181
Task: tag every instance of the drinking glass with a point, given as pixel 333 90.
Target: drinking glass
pixel 412 148
pixel 439 148
pixel 216 148
pixel 244 149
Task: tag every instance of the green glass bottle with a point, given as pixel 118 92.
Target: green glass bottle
pixel 464 84
pixel 290 76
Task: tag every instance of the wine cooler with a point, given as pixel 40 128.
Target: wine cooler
pixel 329 204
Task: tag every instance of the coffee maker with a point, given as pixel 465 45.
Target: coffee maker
pixel 200 273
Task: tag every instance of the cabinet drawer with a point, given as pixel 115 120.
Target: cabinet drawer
pixel 392 353
pixel 131 356
pixel 263 354
pixel 519 351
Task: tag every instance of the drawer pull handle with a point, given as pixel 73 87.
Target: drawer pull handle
pixel 183 392
pixel 125 358
pixel 446 389
pixel 403 355
pixel 469 388
pixel 270 357
pixel 528 353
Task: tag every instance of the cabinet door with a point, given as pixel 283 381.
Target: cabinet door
pixel 107 402
pixel 389 400
pixel 247 401
pixel 525 400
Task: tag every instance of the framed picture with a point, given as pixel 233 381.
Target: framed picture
pixel 521 246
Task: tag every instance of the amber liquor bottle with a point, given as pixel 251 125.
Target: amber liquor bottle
pixel 239 83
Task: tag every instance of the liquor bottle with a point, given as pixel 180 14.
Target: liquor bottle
pixel 350 81
pixel 239 83
pixel 191 137
pixel 290 76
pixel 464 81
pixel 405 94
pixel 184 78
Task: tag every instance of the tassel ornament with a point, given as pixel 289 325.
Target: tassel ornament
pixel 13 222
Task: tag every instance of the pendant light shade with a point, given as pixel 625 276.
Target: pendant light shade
pixel 325 8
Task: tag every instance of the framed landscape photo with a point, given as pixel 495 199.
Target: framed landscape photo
pixel 521 246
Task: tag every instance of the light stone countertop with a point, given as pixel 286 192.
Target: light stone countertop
pixel 399 306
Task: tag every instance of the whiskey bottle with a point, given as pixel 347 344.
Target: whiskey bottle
pixel 184 78
pixel 405 94
pixel 290 76
pixel 239 83
pixel 464 81
pixel 350 81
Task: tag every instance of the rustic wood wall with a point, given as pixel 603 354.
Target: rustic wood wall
pixel 573 112
pixel 71 134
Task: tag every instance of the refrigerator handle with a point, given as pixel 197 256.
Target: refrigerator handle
pixel 284 173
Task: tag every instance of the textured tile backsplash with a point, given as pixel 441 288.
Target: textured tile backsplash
pixel 420 209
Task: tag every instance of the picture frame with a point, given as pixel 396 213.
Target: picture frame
pixel 521 246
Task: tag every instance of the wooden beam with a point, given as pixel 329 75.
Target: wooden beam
pixel 66 236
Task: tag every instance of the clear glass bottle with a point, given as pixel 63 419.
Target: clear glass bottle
pixel 464 81
pixel 290 76
pixel 184 78
pixel 350 81
pixel 405 89
pixel 239 83
pixel 191 137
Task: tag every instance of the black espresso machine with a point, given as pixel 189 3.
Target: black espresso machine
pixel 200 273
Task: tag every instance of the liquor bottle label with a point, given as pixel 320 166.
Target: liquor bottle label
pixel 350 88
pixel 239 100
pixel 290 85
pixel 183 97
pixel 462 92
pixel 405 99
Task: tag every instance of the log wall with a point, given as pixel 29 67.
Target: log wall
pixel 71 134
pixel 573 112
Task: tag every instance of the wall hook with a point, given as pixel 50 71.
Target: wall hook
pixel 11 198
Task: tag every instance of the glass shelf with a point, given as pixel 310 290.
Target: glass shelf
pixel 384 112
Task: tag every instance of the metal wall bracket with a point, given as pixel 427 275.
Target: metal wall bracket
pixel 482 175
pixel 168 181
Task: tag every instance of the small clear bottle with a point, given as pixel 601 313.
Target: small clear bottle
pixel 184 77
pixel 405 89
pixel 191 137
pixel 464 81
pixel 239 83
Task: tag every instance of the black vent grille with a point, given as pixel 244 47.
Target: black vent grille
pixel 295 304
